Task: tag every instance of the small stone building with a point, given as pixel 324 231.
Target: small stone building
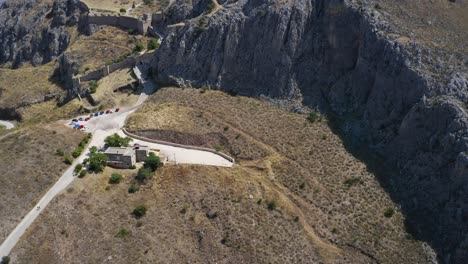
pixel 123 158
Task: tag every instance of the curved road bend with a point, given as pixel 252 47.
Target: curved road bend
pixel 101 127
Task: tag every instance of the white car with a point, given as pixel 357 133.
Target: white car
pixel 85 128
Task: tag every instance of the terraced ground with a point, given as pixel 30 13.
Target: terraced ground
pixel 296 195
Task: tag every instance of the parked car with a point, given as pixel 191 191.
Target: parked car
pixel 85 128
pixel 96 114
pixel 76 126
pixel 107 111
pixel 101 113
pixel 87 118
pixel 91 116
pixel 117 109
pixel 75 120
pixel 80 127
pixel 80 119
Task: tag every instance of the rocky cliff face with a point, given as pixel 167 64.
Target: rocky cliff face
pixel 405 100
pixel 36 31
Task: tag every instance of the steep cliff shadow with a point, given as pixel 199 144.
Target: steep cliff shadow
pixel 417 224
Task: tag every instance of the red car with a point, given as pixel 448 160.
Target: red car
pixel 86 119
pixel 80 127
pixel 107 111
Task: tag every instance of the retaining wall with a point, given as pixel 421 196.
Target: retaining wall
pixel 126 22
pixel 178 145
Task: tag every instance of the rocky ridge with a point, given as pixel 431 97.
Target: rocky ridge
pixel 407 101
pixel 36 32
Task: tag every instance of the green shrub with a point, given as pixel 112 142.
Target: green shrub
pixel 77 152
pixel 68 160
pixel 143 174
pixel 272 205
pixel 123 10
pixel 115 178
pixel 139 47
pixel 78 168
pixel 313 117
pixel 139 211
pixel 59 152
pixel 152 162
pixel 352 181
pixel 122 233
pixel 389 212
pixel 133 188
pixel 153 44
pixel 184 209
pixel 82 174
pixel 93 85
pixel 210 7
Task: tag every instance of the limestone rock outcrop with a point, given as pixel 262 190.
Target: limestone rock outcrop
pixel 36 32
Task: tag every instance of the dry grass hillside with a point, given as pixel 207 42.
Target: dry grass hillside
pixel 26 84
pixel 440 24
pixel 295 196
pixel 29 167
pixel 107 45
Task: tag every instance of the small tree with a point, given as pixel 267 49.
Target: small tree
pixel 117 141
pixel 115 178
pixel 152 162
pixel 139 211
pixel 143 174
pixel 93 149
pixel 97 162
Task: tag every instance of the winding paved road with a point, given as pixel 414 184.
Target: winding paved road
pixel 7 124
pixel 101 127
